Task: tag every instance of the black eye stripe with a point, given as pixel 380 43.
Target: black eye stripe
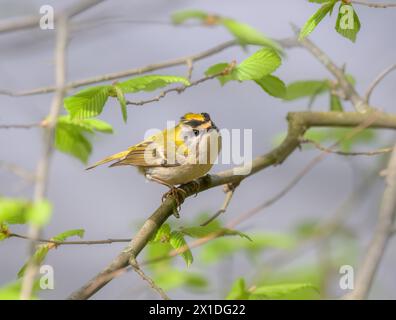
pixel 194 123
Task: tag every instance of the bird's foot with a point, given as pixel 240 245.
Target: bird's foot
pixel 178 194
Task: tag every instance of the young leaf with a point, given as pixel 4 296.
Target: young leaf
pixel 306 88
pixel 70 139
pixel 163 233
pixel 177 241
pixel 38 258
pixel 12 291
pixel 245 34
pixel 87 103
pixel 273 86
pixel 149 83
pixel 316 18
pixel 210 229
pixel 348 23
pixel 216 68
pixel 96 125
pixel 277 291
pixel 39 213
pixel 173 278
pixel 182 16
pixel 121 99
pixel 13 211
pixel 67 234
pixel 335 103
pixel 4 231
pixel 70 135
pixel 238 291
pixel 257 66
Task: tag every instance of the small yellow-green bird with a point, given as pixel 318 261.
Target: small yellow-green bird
pixel 174 156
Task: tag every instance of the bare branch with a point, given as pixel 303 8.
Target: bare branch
pixel 20 126
pixel 298 123
pixel 28 22
pixel 126 73
pixel 229 190
pixel 44 163
pixel 382 233
pixel 377 80
pixel 348 89
pixel 179 89
pixel 150 281
pixel 374 5
pixel 59 243
pixel 17 170
pixel 343 153
pixel 286 43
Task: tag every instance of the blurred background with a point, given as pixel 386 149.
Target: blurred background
pixel 112 203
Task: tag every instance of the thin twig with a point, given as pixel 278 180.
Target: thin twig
pixel 348 89
pixel 18 171
pixel 377 80
pixel 344 153
pixel 179 90
pixel 59 243
pixel 32 21
pixel 382 233
pixel 229 190
pixel 190 68
pixel 285 43
pixel 20 126
pixel 374 5
pixel 48 141
pixel 150 281
pixel 126 73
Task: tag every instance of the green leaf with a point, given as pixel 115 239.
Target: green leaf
pixel 87 103
pixel 13 211
pixel 316 18
pixel 335 103
pixel 306 88
pixel 182 16
pixel 273 86
pixel 39 213
pixel 149 83
pixel 278 291
pixel 70 135
pixel 96 125
pixel 257 66
pixel 38 258
pixel 121 99
pixel 70 139
pixel 223 247
pixel 210 229
pixel 218 68
pixel 67 234
pixel 4 231
pixel 173 278
pixel 12 291
pixel 238 291
pixel 163 233
pixel 348 23
pixel 177 241
pixel 245 34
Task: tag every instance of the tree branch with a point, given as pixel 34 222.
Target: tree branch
pixel 42 171
pixel 374 5
pixel 348 89
pixel 298 122
pixel 58 243
pixel 382 233
pixel 343 153
pixel 28 22
pixel 286 43
pixel 377 80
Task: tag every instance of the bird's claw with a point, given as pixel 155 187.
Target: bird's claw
pixel 178 194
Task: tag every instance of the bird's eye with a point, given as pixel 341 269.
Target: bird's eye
pixel 196 132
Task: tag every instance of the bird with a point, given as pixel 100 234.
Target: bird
pixel 174 156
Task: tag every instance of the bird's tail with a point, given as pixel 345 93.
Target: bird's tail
pixel 117 156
